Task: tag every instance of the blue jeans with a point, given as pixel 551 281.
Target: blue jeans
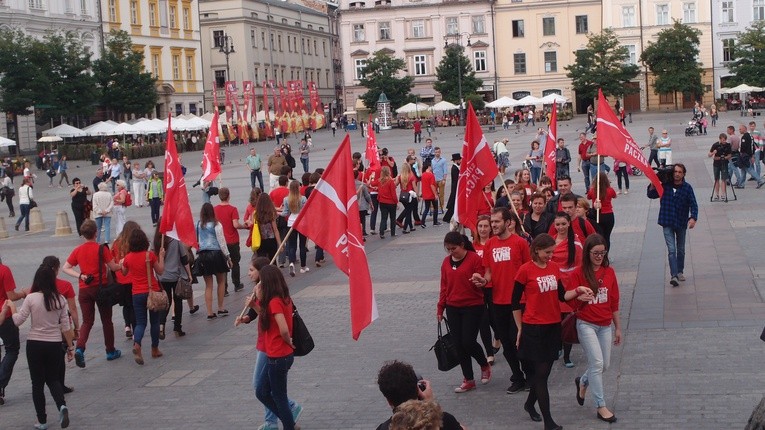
pixel 206 197
pixel 272 390
pixel 24 209
pixel 596 343
pixel 255 176
pixel 752 172
pixel 757 163
pixel 733 170
pixel 104 223
pixel 304 162
pixel 139 307
pixel 675 240
pixel 535 173
pixel 10 335
pixel 258 374
pixel 586 171
pixel 594 171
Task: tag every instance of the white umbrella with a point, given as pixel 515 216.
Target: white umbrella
pixel 123 128
pixel 502 102
pixel 444 105
pixel 743 88
pixel 98 129
pixel 207 117
pixel 553 99
pixel 529 100
pixel 5 142
pixel 64 130
pixel 150 127
pixel 413 108
pixel 50 139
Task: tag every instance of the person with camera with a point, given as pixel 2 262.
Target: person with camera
pixel 721 154
pixel 80 202
pixel 678 212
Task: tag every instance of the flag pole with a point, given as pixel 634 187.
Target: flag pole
pixel 507 191
pixel 597 192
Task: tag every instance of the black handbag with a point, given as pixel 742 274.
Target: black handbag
pixel 568 331
pixel 404 197
pixel 762 335
pixel 112 293
pixel 445 349
pixel 301 338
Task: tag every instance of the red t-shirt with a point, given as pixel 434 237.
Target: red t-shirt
pixel 275 346
pixel 601 309
pixel 122 195
pixel 428 180
pixel 606 205
pixel 577 226
pixel 372 179
pixel 135 263
pixel 583 147
pixel 86 256
pixel 540 286
pixel 277 196
pixel 504 258
pixel 560 257
pixel 409 186
pixel 456 287
pixel 387 193
pixel 120 278
pixel 302 190
pixel 248 211
pixel 226 214
pixel 6 283
pixel 486 204
pixel 65 288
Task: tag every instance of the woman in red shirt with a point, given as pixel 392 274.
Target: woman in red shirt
pixel 594 320
pixel 388 200
pixel 568 256
pixel 464 305
pixel 603 200
pixel 407 182
pixel 429 193
pixel 539 336
pixel 120 248
pixel 486 204
pixel 480 237
pixel 524 185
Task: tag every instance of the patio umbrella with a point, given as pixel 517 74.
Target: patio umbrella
pixel 743 89
pixel 502 102
pixel 412 108
pixel 123 128
pixel 553 99
pixel 50 139
pixel 5 142
pixel 444 105
pixel 529 100
pixel 98 129
pixel 64 130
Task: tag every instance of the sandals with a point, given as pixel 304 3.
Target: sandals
pixel 211 317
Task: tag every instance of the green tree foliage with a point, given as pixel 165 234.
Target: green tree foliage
pixel 23 79
pixel 380 76
pixel 453 63
pixel 604 63
pixel 672 59
pixel 126 88
pixel 749 57
pixel 476 100
pixel 69 66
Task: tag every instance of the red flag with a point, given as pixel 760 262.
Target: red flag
pixel 478 169
pixel 330 219
pixel 551 145
pixel 615 141
pixel 177 221
pixel 373 159
pixel 211 156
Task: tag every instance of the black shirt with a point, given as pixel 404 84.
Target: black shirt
pixel 721 153
pixel 449 423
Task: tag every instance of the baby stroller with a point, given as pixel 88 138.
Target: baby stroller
pixel 693 127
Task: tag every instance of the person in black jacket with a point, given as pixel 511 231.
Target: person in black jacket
pixel 564 187
pixel 539 219
pixel 455 175
pixel 746 158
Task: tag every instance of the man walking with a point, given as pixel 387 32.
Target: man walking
pixel 746 158
pixel 562 159
pixel 653 142
pixel 440 172
pixel 427 152
pixel 456 160
pixel 678 212
pixel 275 164
pixel 253 163
pixel 584 159
pixel 9 333
pixel 417 126
pixel 228 216
pixel 735 148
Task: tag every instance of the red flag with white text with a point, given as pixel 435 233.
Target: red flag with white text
pixel 551 145
pixel 211 154
pixel 373 158
pixel 615 141
pixel 477 170
pixel 330 218
pixel 177 221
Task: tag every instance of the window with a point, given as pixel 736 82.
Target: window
pixel 519 64
pixel 315 51
pixel 263 39
pixel 176 67
pixel 271 41
pixel 257 76
pixel 518 28
pixel 190 68
pixel 479 63
pixel 358 33
pixel 220 79
pixel 662 14
pixel 193 108
pixel 452 25
pixel 324 47
pixel 548 26
pixel 628 16
pixel 284 20
pixel 360 65
pixel 689 12
pixel 728 46
pixel 217 38
pixel 581 24
pixel 418 28
pixel 253 38
pixel 186 19
pixel 666 98
pixel 758 9
pixel 551 62
pixel 632 54
pixel 112 8
pixel 35 4
pixel 134 12
pixel 155 65
pixel 153 14
pixel 178 109
pixel 479 25
pixel 84 7
pixel 279 42
pixel 727 11
pixel 420 65
pixel 302 42
pixel 173 22
pixel 383 29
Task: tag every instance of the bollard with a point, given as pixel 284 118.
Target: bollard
pixel 62 224
pixel 3 230
pixel 36 221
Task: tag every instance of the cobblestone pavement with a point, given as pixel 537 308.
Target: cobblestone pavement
pixel 690 360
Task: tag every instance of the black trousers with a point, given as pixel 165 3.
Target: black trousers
pixel 654 157
pixel 464 323
pixel 606 224
pixel 487 323
pixel 236 257
pixel 507 331
pixel 44 359
pixel 169 288
pixel 387 212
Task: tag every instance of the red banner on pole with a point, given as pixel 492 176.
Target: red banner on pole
pixel 211 155
pixel 177 221
pixel 550 147
pixel 269 129
pixel 371 154
pixel 231 107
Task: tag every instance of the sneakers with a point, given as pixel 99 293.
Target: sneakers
pixel 296 412
pixel 223 312
pixel 111 356
pixel 269 426
pixel 516 387
pixel 292 269
pixel 465 387
pixel 680 276
pixel 193 310
pixel 674 282
pixel 79 358
pixel 63 417
pixel 485 374
pixel 304 269
pixel 239 288
pixel 128 332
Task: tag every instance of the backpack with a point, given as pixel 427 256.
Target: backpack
pixel 128 200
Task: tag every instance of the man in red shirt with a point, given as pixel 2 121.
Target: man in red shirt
pixel 277 197
pixel 417 131
pixel 228 216
pixel 9 333
pixel 429 190
pixel 584 159
pixel 568 205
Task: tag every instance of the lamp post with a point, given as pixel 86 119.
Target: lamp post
pixel 226 43
pixel 456 38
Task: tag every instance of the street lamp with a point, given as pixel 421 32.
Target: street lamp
pixel 457 39
pixel 226 43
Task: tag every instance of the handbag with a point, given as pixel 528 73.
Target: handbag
pixel 568 331
pixel 32 202
pixel 255 235
pixel 404 197
pixel 157 300
pixel 183 289
pixel 301 338
pixel 112 293
pixel 445 349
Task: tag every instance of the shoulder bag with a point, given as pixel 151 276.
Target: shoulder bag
pixel 301 338
pixel 32 202
pixel 445 349
pixel 112 293
pixel 183 289
pixel 196 266
pixel 157 300
pixel 568 331
pixel 255 235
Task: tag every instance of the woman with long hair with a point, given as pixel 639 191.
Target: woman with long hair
pixel 155 195
pixel 249 213
pixel 516 199
pixel 481 235
pixel 270 238
pixel 387 200
pixel 276 324
pixel 539 334
pixel 567 255
pixel 50 319
pixel 603 200
pixel 25 198
pixel 538 221
pixel 464 305
pixel 176 267
pixel 121 248
pixel 535 158
pixel 594 318
pixel 212 259
pixel 407 182
pixel 292 206
pixel 139 265
pixel 525 185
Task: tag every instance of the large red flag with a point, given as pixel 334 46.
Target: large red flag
pixel 176 221
pixel 373 158
pixel 330 218
pixel 477 170
pixel 551 145
pixel 211 155
pixel 615 141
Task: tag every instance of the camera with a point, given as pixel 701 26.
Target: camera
pixel 666 173
pixel 88 279
pixel 421 382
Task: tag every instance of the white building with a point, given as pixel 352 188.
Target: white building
pixel 729 18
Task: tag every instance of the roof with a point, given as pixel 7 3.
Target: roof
pixel 292 6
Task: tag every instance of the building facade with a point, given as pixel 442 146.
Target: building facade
pixel 537 39
pixel 272 40
pixel 37 18
pixel 729 19
pixel 416 31
pixel 167 33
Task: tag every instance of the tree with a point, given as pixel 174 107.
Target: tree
pixel 125 87
pixel 604 63
pixel 673 60
pixel 24 82
pixel 749 57
pixel 380 76
pixel 455 63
